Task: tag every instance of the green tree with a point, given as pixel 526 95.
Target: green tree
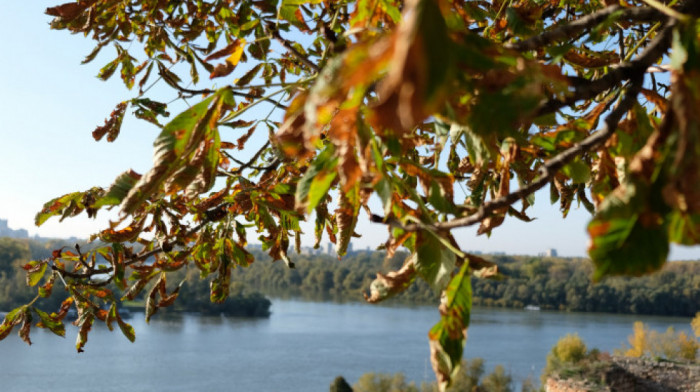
pixel 378 382
pixel 566 356
pixel 498 380
pixel 408 100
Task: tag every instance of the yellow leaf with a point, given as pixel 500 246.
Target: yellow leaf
pixel 235 57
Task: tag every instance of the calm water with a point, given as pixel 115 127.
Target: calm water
pixel 303 346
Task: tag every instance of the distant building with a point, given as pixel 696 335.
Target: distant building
pixel 551 252
pixel 329 247
pixel 349 248
pixel 255 246
pixel 6 231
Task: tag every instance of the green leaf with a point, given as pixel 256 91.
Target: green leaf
pixel 477 148
pixel 241 256
pixel 119 189
pixel 383 188
pixel 578 171
pixel 126 329
pixel 432 30
pixel 434 262
pixel 12 318
pixel 684 228
pixel 314 185
pixel 628 237
pixel 35 271
pixel 448 336
pixel 54 326
pixel 58 206
pixel 107 71
pixel 173 149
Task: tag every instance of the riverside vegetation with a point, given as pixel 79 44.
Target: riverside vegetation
pixel 550 283
pixel 570 359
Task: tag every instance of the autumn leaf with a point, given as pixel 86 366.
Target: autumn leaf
pixel 386 286
pixel 112 124
pixel 190 132
pixel 448 336
pixel 346 218
pixel 35 271
pixel 234 51
pixel 420 67
pixel 68 11
pixel 54 325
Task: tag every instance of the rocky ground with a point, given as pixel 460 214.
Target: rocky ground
pixel 623 374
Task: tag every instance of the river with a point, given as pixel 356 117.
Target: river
pixel 302 347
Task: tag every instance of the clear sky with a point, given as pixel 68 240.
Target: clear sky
pixel 50 104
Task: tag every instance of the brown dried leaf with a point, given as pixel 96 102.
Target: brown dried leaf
pixel 68 11
pixel 587 60
pixel 112 124
pixel 414 86
pixel 385 286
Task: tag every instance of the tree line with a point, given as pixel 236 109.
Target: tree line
pixel 548 282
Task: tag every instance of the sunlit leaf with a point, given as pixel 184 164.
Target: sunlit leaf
pixel 174 146
pixel 386 286
pixel 35 271
pixel 315 183
pixel 55 326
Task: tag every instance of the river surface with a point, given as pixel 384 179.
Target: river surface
pixel 302 347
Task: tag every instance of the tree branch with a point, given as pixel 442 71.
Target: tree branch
pixel 576 28
pixel 625 71
pixel 287 45
pixel 185 90
pixel 210 216
pixel 547 171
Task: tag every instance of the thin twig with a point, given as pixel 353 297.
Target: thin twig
pixel 287 45
pixel 234 92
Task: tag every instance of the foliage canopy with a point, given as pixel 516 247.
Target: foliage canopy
pixel 405 99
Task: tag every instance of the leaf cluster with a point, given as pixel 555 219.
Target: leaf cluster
pixel 413 102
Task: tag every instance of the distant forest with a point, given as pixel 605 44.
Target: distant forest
pixel 547 282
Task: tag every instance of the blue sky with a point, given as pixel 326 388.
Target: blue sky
pixel 50 104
